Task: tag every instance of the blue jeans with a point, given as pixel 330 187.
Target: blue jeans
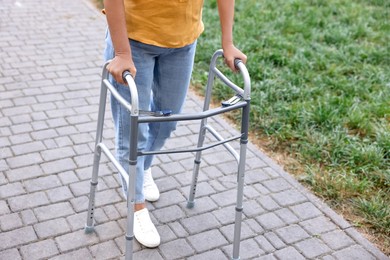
pixel 163 77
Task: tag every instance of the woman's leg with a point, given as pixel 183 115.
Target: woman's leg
pixel 172 75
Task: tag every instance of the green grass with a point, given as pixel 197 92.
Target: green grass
pixel 320 75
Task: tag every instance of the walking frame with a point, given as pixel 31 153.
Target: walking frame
pixel 241 100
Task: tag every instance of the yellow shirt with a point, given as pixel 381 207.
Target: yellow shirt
pixel 164 23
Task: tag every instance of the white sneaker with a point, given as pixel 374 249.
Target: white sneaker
pixel 144 230
pixel 151 191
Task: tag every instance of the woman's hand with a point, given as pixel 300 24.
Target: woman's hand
pixel 230 53
pixel 121 63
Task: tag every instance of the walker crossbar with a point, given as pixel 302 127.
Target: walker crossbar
pixel 135 119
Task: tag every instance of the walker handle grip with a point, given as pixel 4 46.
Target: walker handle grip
pixel 125 74
pixel 236 62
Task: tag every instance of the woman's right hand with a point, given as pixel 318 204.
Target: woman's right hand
pixel 121 63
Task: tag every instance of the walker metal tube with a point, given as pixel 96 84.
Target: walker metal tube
pixel 97 153
pixel 192 116
pixel 132 164
pixel 114 161
pixel 240 182
pixel 227 146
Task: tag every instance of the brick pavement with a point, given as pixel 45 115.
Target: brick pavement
pixel 49 84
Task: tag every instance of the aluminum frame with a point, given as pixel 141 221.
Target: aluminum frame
pixel 136 119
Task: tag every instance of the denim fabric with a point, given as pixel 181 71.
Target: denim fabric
pixel 163 77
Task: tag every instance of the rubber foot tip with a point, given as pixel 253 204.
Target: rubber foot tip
pixel 190 204
pixel 88 230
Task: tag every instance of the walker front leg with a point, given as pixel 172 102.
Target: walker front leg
pixel 97 154
pixel 131 187
pixel 89 226
pixel 197 161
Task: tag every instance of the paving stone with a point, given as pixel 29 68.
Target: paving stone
pixel 288 197
pixel 178 229
pixel 353 233
pixel 68 177
pixel 292 234
pixel 10 254
pixel 169 198
pixel 58 153
pixel 249 249
pixel 267 257
pixel 42 183
pixel 225 198
pixel 26 148
pixel 202 189
pixel 120 242
pixel 207 240
pixel 217 186
pixel 254 225
pixel 52 228
pixel 337 239
pixel 228 232
pixel 10 221
pixel 202 205
pixel 75 240
pixel 256 176
pixel 318 225
pixel 28 217
pixel 268 203
pixel 77 254
pixel 51 211
pixel 277 185
pixel 200 223
pixel 24 160
pixel 169 214
pixel 58 166
pixel 355 252
pixel 287 216
pixel 39 250
pixel 274 240
pixel 17 237
pixel 105 250
pixel 59 194
pixel 312 248
pixel 24 173
pixel 289 253
pixel 80 203
pixel 265 245
pixel 215 254
pixel 111 212
pixel 270 221
pixel 306 210
pixel 3 179
pixel 328 257
pixel 255 162
pixel 11 189
pixel 225 215
pixel 78 221
pixel 251 193
pixel 166 234
pixel 111 182
pixel 28 201
pixel 148 254
pixel 108 230
pixel 177 249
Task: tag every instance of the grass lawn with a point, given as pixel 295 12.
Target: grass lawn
pixel 320 75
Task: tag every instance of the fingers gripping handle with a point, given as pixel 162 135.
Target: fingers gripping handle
pixel 125 74
pixel 236 63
